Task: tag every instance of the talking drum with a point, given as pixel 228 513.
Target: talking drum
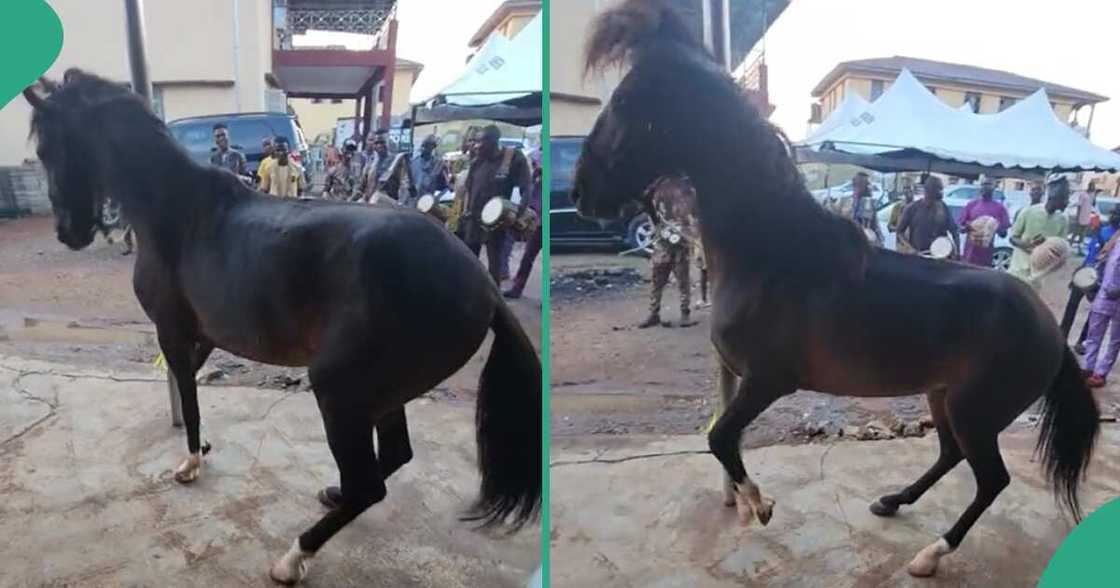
pixel 983 231
pixel 671 236
pixel 1085 278
pixel 527 222
pixel 941 248
pixel 498 213
pixel 1049 256
pixel 429 205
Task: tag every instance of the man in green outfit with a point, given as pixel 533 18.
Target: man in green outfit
pixel 1037 223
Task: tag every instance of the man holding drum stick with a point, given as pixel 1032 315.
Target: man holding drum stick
pixel 928 219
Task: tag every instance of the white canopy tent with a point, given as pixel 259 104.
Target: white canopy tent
pixel 908 123
pixel 502 81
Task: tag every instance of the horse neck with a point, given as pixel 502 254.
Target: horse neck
pixel 757 218
pixel 160 189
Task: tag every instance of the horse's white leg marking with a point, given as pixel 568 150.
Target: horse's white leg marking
pixel 189 470
pixel 925 563
pixel 750 503
pixel 292 567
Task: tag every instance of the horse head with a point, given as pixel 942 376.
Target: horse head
pixel 650 127
pixel 64 123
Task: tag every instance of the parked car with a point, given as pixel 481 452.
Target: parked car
pixel 844 190
pixel 246 131
pixel 1001 257
pixel 634 231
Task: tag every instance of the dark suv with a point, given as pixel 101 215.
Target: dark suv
pixel 634 231
pixel 246 131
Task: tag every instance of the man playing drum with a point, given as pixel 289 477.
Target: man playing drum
pixel 927 219
pixel 1034 225
pixel 496 171
pixel 981 221
pixel 1105 312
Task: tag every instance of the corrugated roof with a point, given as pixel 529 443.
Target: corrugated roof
pixel 929 70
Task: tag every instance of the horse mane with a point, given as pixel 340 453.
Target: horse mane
pixel 620 31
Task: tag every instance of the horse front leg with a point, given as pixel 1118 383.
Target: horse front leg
pixel 184 357
pixel 727 381
pixel 756 392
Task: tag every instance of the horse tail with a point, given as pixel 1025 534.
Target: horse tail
pixel 508 423
pixel 620 30
pixel 1070 423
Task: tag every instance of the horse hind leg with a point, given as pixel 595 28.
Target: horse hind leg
pixel 393 451
pixel 350 437
pixel 756 392
pixel 949 457
pixel 976 428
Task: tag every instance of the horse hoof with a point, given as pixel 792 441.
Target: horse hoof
pixel 729 500
pixel 765 511
pixel 330 497
pixel 925 563
pixel 292 567
pixel 189 470
pixel 882 510
pixel 746 513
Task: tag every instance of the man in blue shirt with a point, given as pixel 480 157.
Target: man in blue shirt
pixel 1092 252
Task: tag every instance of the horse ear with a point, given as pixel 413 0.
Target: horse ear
pixel 33 98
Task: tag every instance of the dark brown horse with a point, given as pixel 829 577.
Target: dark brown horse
pixel 381 303
pixel 800 300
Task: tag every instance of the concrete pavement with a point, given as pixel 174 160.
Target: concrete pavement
pixel 647 512
pixel 88 499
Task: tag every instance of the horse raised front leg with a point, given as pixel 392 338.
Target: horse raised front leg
pixel 756 392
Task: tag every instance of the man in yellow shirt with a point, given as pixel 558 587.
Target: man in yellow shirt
pixel 285 177
pixel 267 161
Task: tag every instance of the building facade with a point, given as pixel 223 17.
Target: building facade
pixel 984 90
pixel 507 20
pixel 221 56
pixel 320 115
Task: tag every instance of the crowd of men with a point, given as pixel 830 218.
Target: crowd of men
pixel 917 223
pixel 485 170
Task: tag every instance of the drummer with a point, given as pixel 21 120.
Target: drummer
pixel 495 171
pixel 978 246
pixel 1093 252
pixel 428 172
pixel 1104 313
pixel 928 219
pixel 1035 224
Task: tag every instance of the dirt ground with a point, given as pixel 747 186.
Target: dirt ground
pixel 78 308
pixel 609 377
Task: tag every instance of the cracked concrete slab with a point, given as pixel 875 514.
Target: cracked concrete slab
pixel 647 512
pixel 89 499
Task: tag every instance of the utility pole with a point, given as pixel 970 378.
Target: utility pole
pixel 138 64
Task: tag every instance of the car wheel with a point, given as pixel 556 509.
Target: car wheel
pixel 1001 259
pixel 639 234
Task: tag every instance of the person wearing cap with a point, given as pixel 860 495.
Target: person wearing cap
pixel 428 174
pixel 1096 253
pixel 340 177
pixel 978 245
pixel 1034 225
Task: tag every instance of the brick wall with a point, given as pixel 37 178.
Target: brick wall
pixel 23 190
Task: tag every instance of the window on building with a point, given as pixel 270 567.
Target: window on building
pixel 316 100
pixel 1020 185
pixel 336 100
pixel 876 88
pixel 973 100
pixel 1005 102
pixel 932 90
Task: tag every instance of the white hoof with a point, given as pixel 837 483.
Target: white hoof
pixel 925 563
pixel 189 470
pixel 764 511
pixel 750 504
pixel 292 567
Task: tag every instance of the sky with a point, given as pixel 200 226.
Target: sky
pixel 432 32
pixel 1073 42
